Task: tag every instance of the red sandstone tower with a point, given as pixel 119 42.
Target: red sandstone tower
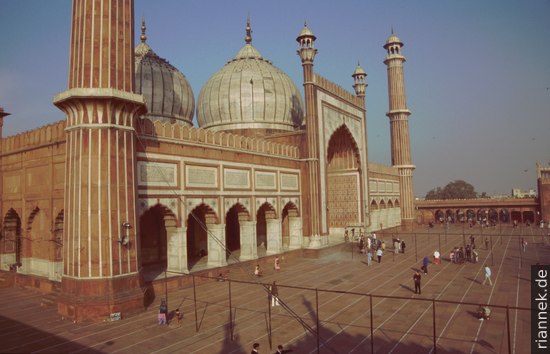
pixel 101 268
pixel 399 127
pixel 307 54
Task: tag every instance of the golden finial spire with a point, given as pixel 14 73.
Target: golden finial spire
pixel 143 37
pixel 248 37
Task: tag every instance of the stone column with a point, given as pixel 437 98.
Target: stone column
pixel 274 236
pixel 249 246
pixel 177 251
pixel 216 245
pixel 295 232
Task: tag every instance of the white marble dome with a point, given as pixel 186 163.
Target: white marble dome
pixel 249 93
pixel 167 93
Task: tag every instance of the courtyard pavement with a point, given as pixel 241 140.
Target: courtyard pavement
pixel 325 304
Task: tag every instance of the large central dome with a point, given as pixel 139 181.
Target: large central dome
pixel 249 93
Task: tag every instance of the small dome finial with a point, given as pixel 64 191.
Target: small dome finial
pixel 248 37
pixel 143 37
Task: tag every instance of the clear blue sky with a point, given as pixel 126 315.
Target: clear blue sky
pixel 477 72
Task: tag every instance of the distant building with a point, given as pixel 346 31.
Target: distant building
pixel 518 193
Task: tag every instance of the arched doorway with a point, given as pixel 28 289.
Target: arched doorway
pixel 36 244
pixel 343 184
pixel 290 212
pixel 57 250
pixel 12 239
pixel 233 217
pixel 197 234
pixel 265 212
pixel 504 215
pixel 155 226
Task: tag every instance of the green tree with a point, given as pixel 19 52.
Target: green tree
pixel 458 189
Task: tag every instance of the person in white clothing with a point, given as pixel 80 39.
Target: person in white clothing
pixel 487 275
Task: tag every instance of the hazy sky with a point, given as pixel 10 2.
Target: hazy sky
pixel 477 73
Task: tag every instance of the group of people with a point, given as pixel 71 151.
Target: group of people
pixel 280 350
pixel 371 246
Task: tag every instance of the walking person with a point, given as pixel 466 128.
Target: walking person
pixel 163 312
pixel 277 264
pixel 416 278
pixel 255 348
pixel 403 247
pixel 425 262
pixel 369 258
pixel 379 254
pixel 274 295
pixel 436 257
pixel 523 244
pixel 178 316
pixel 486 243
pixel 487 276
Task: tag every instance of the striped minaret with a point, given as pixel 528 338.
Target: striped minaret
pixel 101 268
pixel 313 203
pixel 399 127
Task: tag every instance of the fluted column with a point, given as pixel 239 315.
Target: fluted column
pixel 100 256
pixel 399 126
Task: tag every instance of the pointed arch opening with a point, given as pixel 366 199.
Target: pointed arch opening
pixel 234 216
pixel 12 239
pixel 290 210
pixel 156 224
pixel 35 245
pixel 197 234
pixel 265 212
pixel 344 176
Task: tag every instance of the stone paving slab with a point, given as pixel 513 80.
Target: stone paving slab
pixel 400 325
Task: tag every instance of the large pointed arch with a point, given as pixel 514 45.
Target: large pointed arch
pixel 197 233
pixel 233 218
pixel 11 243
pixel 265 211
pixel 155 224
pixel 344 179
pixel 35 245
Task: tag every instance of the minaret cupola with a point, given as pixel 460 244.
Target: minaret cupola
pixel 359 81
pixel 307 49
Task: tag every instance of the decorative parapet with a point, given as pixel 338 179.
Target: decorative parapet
pixel 382 169
pixel 159 129
pixel 338 91
pixel 52 133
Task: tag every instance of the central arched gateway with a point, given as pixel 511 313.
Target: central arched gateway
pixel 344 180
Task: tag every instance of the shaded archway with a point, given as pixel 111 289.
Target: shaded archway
pixel 504 215
pixel 155 225
pixel 11 245
pixel 35 245
pixel 344 176
pixel 197 233
pixel 233 228
pixel 289 211
pixel 266 211
pixel 57 249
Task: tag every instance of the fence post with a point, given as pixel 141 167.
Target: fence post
pixel 433 318
pixel 508 328
pixel 269 300
pixel 230 312
pixel 371 327
pixel 195 301
pixel 317 311
pixel 415 250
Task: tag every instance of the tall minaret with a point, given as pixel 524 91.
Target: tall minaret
pixel 399 127
pixel 101 269
pixel 307 54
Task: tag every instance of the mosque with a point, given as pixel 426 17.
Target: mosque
pixel 125 183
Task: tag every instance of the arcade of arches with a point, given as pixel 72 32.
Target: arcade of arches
pixel 202 241
pixel 507 210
